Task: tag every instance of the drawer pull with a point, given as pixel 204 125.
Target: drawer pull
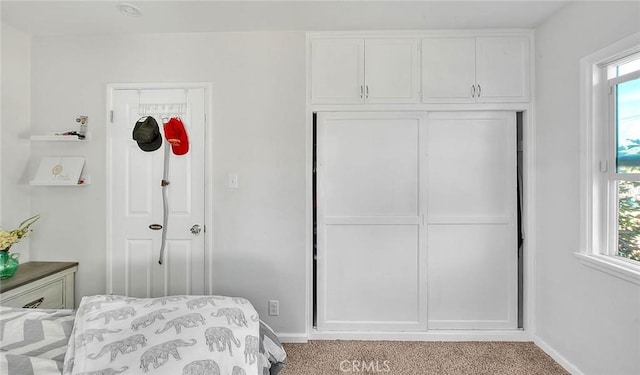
pixel 34 304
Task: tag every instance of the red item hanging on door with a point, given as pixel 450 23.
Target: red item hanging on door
pixel 176 135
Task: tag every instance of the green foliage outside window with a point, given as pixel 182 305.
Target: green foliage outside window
pixel 629 202
pixel 629 220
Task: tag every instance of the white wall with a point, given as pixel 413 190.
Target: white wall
pixel 589 318
pixel 258 124
pixel 14 146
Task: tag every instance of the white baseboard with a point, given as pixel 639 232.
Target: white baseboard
pixel 440 335
pixel 570 367
pixel 293 338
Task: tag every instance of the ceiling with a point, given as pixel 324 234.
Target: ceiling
pixel 49 18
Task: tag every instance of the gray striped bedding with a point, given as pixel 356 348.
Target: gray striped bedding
pixel 34 342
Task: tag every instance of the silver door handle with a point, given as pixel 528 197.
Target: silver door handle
pixel 479 90
pixel 195 229
pixel 473 91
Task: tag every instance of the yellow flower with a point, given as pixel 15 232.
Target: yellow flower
pixel 9 238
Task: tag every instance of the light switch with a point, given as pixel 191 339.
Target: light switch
pixel 233 181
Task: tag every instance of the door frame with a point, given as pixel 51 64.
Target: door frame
pixel 208 163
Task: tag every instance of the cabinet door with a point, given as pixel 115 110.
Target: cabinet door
pixel 502 69
pixel 337 71
pixel 391 71
pixel 448 70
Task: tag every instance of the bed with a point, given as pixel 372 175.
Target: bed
pixel 109 335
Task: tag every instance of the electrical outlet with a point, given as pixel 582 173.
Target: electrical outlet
pixel 274 307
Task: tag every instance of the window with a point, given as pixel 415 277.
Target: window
pixel 610 180
pixel 624 146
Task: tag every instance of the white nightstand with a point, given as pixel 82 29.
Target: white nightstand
pixel 45 285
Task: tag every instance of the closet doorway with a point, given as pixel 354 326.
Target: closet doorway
pixel 416 221
pixel 135 199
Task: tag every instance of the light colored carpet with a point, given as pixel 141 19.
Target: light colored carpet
pixel 418 358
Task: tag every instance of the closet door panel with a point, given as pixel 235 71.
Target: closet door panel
pixel 371 239
pixel 472 245
pixel 372 274
pixel 470 270
pixel 368 158
pixel 471 165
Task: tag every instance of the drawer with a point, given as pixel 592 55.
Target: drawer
pixel 50 294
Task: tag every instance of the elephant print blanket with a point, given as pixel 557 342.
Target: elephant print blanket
pixel 188 335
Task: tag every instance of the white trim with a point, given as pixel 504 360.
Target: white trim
pixel 433 335
pixel 619 268
pixel 208 178
pixel 562 361
pixel 428 107
pixel 209 187
pixel 157 86
pixel 308 323
pixel 529 199
pixel 293 338
pixel 419 34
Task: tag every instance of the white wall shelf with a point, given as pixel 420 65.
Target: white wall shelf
pixel 84 181
pixel 59 138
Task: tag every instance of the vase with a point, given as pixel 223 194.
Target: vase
pixel 9 263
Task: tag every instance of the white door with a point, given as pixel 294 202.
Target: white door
pixel 135 195
pixel 392 72
pixel 337 71
pixel 502 70
pixel 472 233
pixel 371 245
pixel 448 70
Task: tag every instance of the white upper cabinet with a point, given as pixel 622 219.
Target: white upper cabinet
pixel 448 70
pixel 348 71
pixel 475 70
pixel 337 71
pixel 502 69
pixel 392 72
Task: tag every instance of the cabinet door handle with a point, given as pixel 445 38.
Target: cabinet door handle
pixel 361 91
pixel 367 94
pixel 34 304
pixel 473 91
pixel 479 90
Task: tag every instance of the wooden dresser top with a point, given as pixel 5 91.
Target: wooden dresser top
pixel 32 271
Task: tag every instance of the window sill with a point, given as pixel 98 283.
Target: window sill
pixel 609 265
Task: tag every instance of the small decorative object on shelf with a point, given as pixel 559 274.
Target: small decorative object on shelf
pixel 83 126
pixel 9 261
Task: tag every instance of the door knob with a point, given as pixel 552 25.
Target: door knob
pixel 195 229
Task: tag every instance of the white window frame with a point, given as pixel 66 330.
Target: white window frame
pixel 597 218
pixel 612 175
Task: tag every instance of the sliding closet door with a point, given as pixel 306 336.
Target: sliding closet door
pixel 371 243
pixel 472 245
